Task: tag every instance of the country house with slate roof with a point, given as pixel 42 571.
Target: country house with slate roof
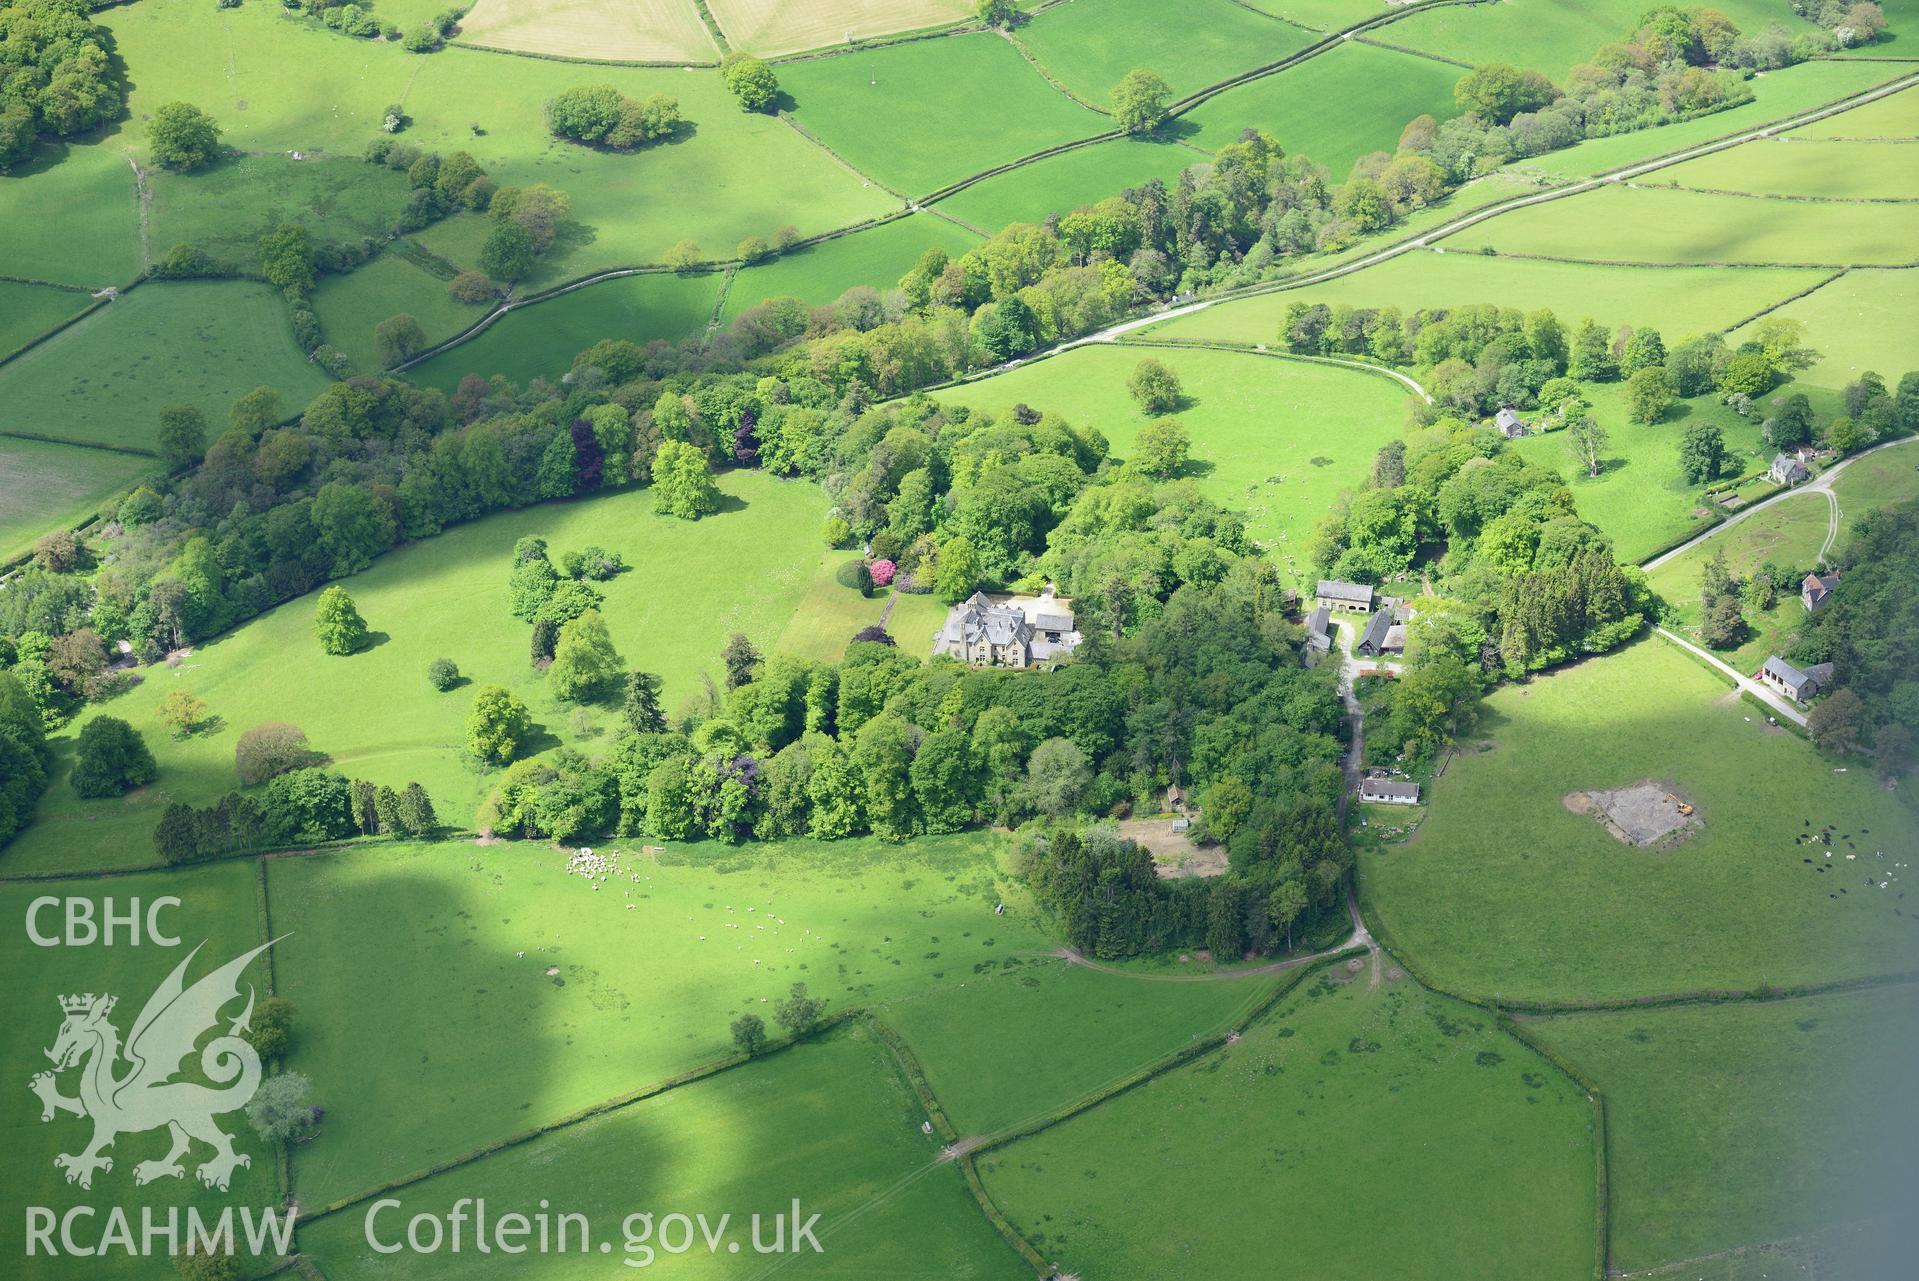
pixel 1016 631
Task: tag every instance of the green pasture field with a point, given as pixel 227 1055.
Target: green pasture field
pixel 1731 1125
pixel 1548 35
pixel 628 31
pixel 1893 116
pixel 219 907
pixel 1791 166
pixel 227 208
pixel 793 26
pixel 1276 440
pixel 105 379
pixel 1062 183
pixel 731 174
pixel 1562 911
pixel 350 306
pixel 71 217
pixel 1252 1161
pixel 655 962
pixel 542 340
pixel 49 485
pixel 831 1123
pixel 976 1045
pixel 1322 15
pixel 1657 225
pixel 1378 92
pixel 1640 499
pixel 1090 46
pixel 818 274
pixel 1863 320
pixel 446 598
pixel 1776 95
pixel 900 126
pixel 1679 301
pixel 1789 533
pixel 27 311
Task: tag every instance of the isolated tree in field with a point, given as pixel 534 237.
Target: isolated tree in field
pixel 183 137
pixel 682 484
pixel 199 1262
pixel 508 252
pixel 799 1013
pixel 1160 448
pixel 182 710
pixel 641 709
pixel 749 1034
pixel 183 434
pixel 282 1107
pixel 998 13
pixel 416 814
pixel 1702 453
pixel 585 664
pixel 683 256
pixel 741 659
pixel 443 674
pixel 1586 440
pixel 270 1029
pixel 1722 626
pixel 398 338
pixel 270 749
pixel 337 622
pixel 751 81
pixel 286 258
pixel 1155 388
pixel 111 759
pixel 1649 394
pixel 497 725
pixel 1498 91
pixel 1139 101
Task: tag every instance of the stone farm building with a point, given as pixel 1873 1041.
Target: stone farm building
pixel 1319 631
pixel 1385 631
pixel 1014 631
pixel 1510 424
pixel 1801 687
pixel 1786 469
pixel 1386 791
pixel 1816 589
pixel 1348 598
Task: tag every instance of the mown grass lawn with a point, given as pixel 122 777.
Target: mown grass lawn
pixel 542 340
pixel 1089 47
pixel 1506 893
pixel 49 485
pixel 70 217
pixel 981 1045
pixel 1274 439
pixel 876 257
pixel 105 379
pixel 1062 183
pixel 1862 321
pixel 769 27
pixel 636 31
pixel 691 585
pixel 830 1123
pixel 1258 1160
pixel 1678 301
pixel 1658 225
pixel 1733 1125
pixel 443 952
pixel 351 306
pixel 219 907
pixel 1379 91
pixel 918 116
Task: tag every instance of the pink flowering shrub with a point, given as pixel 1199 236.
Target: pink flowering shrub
pixel 882 572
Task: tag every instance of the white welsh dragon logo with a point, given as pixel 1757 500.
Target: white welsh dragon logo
pixel 145 1096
